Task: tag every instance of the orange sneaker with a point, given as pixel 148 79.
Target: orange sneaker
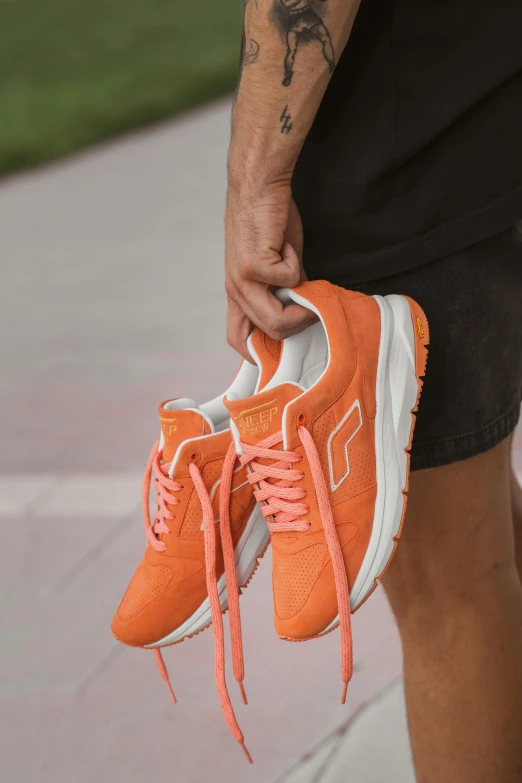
pixel 192 568
pixel 326 443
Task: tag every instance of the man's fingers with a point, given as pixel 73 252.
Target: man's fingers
pixel 238 329
pixel 280 274
pixel 268 313
pixel 294 230
pixel 293 259
pixel 263 252
pixel 290 320
pixel 282 270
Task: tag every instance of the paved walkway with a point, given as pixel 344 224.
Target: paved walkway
pixel 112 301
pixel 370 747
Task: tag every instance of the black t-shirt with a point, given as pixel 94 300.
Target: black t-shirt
pixel 416 151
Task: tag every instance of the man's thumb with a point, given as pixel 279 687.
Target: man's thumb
pixel 292 263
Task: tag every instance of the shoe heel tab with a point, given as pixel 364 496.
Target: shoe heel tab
pixel 348 295
pixel 314 291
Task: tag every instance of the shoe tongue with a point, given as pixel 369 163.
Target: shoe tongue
pixel 178 424
pixel 266 352
pixel 261 415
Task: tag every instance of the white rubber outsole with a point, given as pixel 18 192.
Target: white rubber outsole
pixel 396 398
pixel 250 547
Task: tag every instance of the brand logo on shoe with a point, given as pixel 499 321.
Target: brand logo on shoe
pixel 168 427
pixel 420 328
pixel 338 442
pixel 255 421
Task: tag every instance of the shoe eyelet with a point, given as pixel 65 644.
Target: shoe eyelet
pixel 193 457
pixel 300 419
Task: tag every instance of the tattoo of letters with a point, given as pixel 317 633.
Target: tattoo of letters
pixel 300 24
pixel 286 121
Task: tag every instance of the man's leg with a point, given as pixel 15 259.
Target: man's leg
pixel 516 505
pixel 457 597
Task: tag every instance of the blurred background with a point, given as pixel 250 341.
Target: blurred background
pixel 73 74
pixel 114 125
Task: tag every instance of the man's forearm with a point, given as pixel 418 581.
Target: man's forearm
pixel 290 49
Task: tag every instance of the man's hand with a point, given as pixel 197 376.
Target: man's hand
pixel 264 245
pixel 289 51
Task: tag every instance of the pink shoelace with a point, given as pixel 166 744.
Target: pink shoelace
pixel 282 506
pixel 166 488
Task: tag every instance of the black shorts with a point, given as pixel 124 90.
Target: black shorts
pixel 473 386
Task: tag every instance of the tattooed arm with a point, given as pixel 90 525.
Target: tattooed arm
pixel 289 51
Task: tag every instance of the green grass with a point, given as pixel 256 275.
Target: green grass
pixel 75 72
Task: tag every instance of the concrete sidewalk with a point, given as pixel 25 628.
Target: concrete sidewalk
pixel 371 746
pixel 112 300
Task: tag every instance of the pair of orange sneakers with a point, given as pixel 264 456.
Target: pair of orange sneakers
pixel 308 448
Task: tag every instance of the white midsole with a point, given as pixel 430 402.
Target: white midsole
pixel 250 546
pixel 396 396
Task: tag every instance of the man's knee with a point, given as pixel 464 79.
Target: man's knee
pixel 426 595
pixel 456 552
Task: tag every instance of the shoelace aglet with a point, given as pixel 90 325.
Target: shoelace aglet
pixel 164 673
pixel 172 694
pixel 245 751
pixel 345 691
pixel 243 694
